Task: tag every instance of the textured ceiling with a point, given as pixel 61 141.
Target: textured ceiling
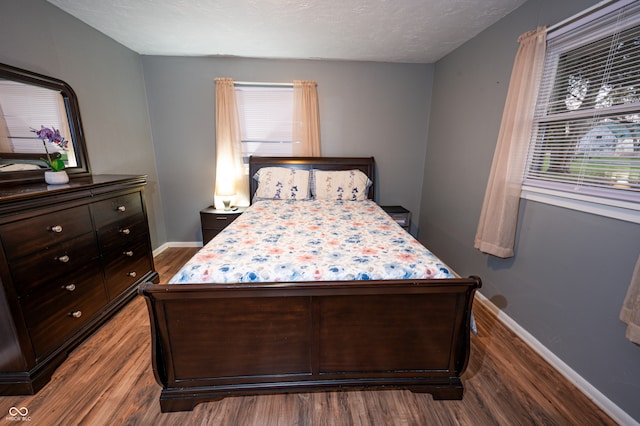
pixel 419 31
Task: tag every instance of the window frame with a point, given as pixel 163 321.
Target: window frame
pixel 595 201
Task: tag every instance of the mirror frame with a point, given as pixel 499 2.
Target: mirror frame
pixel 9 72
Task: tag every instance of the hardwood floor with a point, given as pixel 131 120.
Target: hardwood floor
pixel 108 381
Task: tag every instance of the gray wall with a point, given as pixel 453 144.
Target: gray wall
pixel 366 109
pixel 107 78
pixel 568 279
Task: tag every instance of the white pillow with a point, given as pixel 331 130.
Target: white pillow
pixel 340 185
pixel 282 183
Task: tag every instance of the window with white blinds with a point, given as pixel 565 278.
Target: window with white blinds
pixel 266 114
pixel 26 107
pixel 586 135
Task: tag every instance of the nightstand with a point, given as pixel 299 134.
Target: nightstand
pixel 215 220
pixel 401 215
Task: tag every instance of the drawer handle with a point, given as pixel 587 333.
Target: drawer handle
pixel 64 259
pixel 132 274
pixel 221 217
pixel 75 314
pixel 128 253
pixel 121 208
pixel 69 287
pixel 56 228
pixel 125 231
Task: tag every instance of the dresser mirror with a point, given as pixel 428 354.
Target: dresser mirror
pixel 29 101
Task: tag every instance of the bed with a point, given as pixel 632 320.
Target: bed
pixel 256 311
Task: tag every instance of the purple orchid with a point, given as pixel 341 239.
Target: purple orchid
pixel 53 136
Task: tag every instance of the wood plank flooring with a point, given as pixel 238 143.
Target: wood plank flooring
pixel 108 381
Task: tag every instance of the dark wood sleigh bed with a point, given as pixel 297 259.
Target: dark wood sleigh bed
pixel 210 341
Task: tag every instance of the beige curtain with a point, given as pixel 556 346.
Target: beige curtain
pixel 5 142
pixel 65 130
pixel 499 216
pixel 230 176
pixel 306 119
pixel 630 313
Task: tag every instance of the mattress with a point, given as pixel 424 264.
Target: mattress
pixel 312 240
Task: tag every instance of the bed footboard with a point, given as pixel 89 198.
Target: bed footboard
pixel 210 341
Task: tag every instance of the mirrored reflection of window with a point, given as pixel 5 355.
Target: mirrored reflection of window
pixel 25 107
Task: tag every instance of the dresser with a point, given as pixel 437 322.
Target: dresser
pixel 70 257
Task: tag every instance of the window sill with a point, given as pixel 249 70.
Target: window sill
pixel 621 210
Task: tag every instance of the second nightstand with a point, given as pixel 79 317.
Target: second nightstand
pixel 215 220
pixel 401 215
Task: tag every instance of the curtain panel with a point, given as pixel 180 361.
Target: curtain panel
pixel 230 178
pixel 5 143
pixel 306 119
pixel 499 216
pixel 630 313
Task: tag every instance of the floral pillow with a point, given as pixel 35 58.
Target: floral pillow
pixel 343 185
pixel 282 183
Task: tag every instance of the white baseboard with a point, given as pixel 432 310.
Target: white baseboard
pixel 165 246
pixel 615 412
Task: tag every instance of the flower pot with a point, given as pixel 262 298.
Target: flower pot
pixel 56 178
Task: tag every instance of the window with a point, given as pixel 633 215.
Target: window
pixel 266 114
pixel 586 138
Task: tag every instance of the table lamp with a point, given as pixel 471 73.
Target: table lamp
pixel 226 192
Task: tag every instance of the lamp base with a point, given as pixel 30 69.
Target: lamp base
pixel 227 204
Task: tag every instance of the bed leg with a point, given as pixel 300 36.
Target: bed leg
pixel 177 401
pixel 452 391
pixel 173 406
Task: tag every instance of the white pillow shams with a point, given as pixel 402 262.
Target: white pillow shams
pixel 340 185
pixel 282 183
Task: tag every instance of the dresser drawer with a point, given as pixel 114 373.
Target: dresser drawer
pixel 52 262
pixel 116 209
pixel 62 294
pixel 217 221
pixel 126 265
pixel 53 312
pixel 122 232
pixel 31 235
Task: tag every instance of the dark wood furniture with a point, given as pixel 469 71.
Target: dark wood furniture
pixel 210 341
pixel 215 220
pixel 399 214
pixel 70 257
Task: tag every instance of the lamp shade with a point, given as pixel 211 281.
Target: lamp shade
pixel 225 188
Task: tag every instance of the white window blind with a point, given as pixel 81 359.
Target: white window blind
pixel 27 107
pixel 266 115
pixel 586 136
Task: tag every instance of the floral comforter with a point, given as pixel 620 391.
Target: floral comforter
pixel 314 240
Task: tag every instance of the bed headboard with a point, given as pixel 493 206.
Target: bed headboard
pixel 364 164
